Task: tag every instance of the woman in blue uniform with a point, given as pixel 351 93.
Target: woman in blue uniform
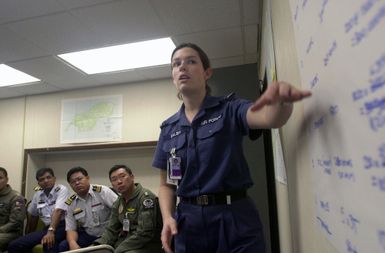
pixel 201 160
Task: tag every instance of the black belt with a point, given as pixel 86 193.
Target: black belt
pixel 223 198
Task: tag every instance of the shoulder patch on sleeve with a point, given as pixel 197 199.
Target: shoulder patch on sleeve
pixel 97 188
pixel 70 199
pixel 57 189
pixel 37 188
pixel 148 203
pixel 19 201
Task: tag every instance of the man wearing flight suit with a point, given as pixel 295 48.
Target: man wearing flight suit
pixel 136 220
pixel 88 210
pixel 48 205
pixel 12 212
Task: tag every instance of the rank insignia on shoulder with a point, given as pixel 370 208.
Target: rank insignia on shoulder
pixel 70 199
pixel 97 188
pixel 37 188
pixel 148 203
pixel 57 189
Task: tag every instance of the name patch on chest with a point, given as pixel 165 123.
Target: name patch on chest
pixel 175 134
pixel 212 120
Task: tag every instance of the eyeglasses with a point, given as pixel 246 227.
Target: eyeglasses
pixel 75 180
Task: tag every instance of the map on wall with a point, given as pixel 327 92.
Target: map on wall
pixel 93 119
pixel 341 57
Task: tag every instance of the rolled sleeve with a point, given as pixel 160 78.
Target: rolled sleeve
pixel 62 196
pixel 70 219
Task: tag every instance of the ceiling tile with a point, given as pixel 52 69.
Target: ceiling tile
pixel 59 33
pixel 219 43
pixel 13 47
pixel 118 77
pixel 186 16
pixel 11 10
pixel 156 72
pixel 122 21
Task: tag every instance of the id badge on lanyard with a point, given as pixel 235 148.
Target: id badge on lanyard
pixel 126 223
pixel 174 170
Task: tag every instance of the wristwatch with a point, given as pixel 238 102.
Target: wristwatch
pixel 51 229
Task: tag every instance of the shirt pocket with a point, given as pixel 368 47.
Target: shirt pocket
pixel 178 142
pixel 209 130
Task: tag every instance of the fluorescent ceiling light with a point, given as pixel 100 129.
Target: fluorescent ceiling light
pixel 10 76
pixel 122 57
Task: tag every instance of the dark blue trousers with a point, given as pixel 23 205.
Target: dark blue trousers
pixel 84 240
pixel 219 228
pixel 26 243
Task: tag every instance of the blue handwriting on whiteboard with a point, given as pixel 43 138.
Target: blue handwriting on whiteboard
pixel 324 226
pixel 309 45
pixel 314 81
pixel 378 66
pixel 339 162
pixel 351 222
pixel 318 123
pixel 330 52
pixel 350 248
pixel 346 175
pixel 326 165
pixel 378 182
pixel 372 163
pixel 333 109
pixel 321 14
pixel 360 93
pixel 373 23
pixel 375 163
pixel 377 83
pixel 304 4
pixel 377 103
pixel 296 13
pixel 325 205
pixel 354 20
pixel 377 122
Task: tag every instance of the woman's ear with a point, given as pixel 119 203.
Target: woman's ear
pixel 208 73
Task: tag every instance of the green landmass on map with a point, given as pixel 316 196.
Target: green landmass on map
pixel 87 121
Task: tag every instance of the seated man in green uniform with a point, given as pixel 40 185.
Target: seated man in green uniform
pixel 12 212
pixel 136 221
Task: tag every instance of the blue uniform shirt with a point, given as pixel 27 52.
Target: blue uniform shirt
pixel 210 148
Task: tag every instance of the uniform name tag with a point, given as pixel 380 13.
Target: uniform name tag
pixel 80 215
pixel 41 205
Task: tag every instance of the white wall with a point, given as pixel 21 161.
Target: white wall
pixel 145 106
pixel 11 136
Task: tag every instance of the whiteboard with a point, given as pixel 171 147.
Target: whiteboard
pixel 341 57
